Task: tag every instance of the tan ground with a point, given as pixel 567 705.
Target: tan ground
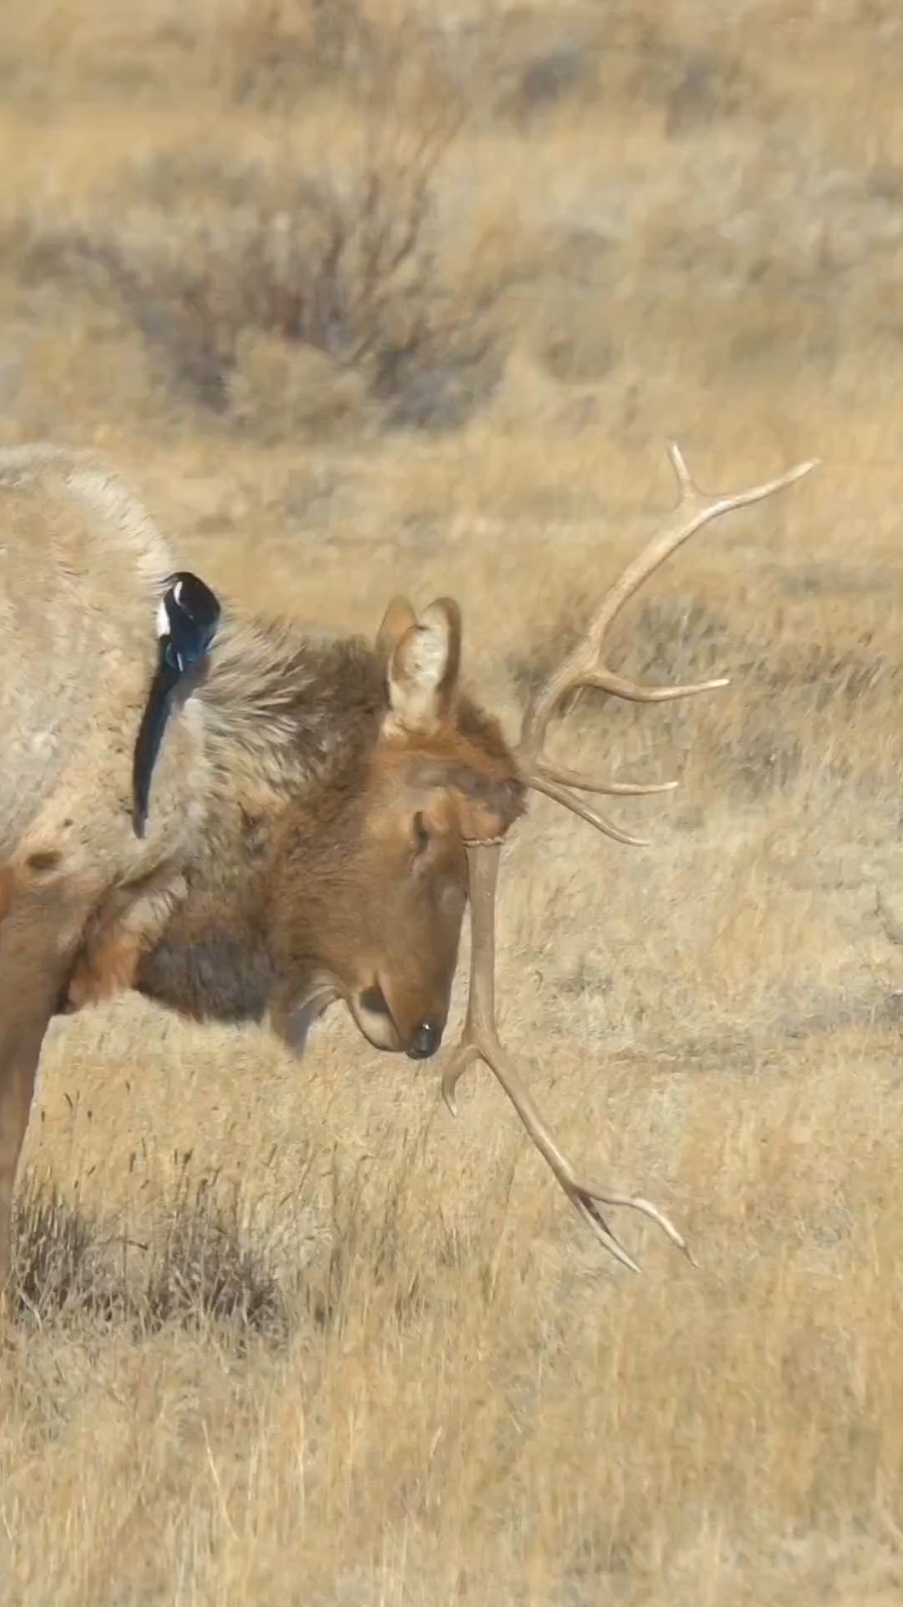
pixel 686 221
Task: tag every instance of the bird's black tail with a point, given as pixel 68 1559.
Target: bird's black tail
pixel 187 623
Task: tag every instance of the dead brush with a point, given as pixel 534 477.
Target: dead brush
pixel 209 1267
pixel 272 50
pixel 202 1268
pixel 345 264
pixel 344 270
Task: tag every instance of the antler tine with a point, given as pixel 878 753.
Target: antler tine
pixel 584 665
pixel 543 771
pixel 480 1041
pixel 563 795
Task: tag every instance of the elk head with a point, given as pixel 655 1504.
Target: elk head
pixel 382 900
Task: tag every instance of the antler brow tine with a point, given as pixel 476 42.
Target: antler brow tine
pixel 480 1039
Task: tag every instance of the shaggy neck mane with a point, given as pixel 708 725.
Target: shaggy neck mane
pixel 287 717
pixel 287 707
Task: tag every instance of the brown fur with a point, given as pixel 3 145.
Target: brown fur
pixel 307 813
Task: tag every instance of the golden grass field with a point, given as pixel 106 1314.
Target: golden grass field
pixel 292 1336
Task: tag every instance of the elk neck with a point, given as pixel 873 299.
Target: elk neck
pixel 289 721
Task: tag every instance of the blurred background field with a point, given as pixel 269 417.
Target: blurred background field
pixel 366 298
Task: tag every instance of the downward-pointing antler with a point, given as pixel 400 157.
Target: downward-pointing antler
pixel 584 666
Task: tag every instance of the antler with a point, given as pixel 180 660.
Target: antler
pixel 583 667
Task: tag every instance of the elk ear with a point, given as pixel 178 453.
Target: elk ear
pixel 422 670
pixel 398 618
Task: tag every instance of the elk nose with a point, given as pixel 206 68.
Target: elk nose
pixel 425 1041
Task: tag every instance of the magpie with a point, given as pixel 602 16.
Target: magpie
pixel 187 620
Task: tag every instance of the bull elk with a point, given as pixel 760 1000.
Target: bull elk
pixel 319 811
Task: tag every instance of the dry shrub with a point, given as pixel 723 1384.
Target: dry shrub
pixel 310 266
pixel 202 1268
pixel 274 50
pixel 281 298
pixel 579 61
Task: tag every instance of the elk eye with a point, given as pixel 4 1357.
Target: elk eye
pixel 421 832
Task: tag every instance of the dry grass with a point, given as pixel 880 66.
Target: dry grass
pixel 288 1333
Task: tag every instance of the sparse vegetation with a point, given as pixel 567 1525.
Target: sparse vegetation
pixel 287 1333
pixel 234 299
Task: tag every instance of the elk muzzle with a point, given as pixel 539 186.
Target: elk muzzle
pixel 385 1030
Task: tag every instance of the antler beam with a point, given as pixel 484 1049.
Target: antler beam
pixel 584 666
